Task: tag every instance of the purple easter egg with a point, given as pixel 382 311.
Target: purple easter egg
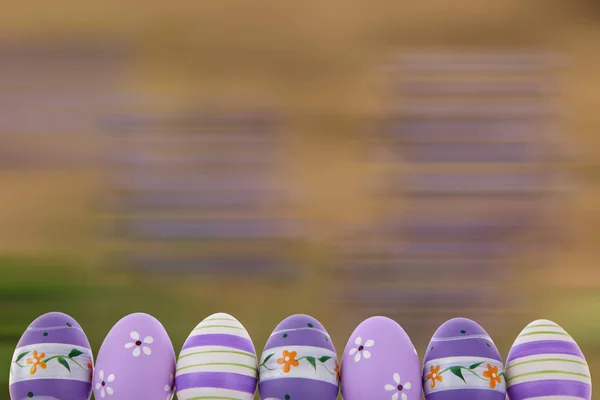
pixel 463 363
pixel 136 361
pixel 218 361
pixel 299 362
pixel 380 363
pixel 53 361
pixel 546 362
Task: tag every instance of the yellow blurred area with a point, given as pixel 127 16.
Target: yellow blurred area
pixel 319 64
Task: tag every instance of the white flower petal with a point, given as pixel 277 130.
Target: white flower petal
pixel 369 343
pixel 395 396
pixel 352 351
pixel 148 340
pixel 147 351
pixel 109 390
pixel 134 335
pixel 366 354
pixel 389 387
pixel 110 378
pixel 169 397
pixel 404 396
pixel 358 341
pixel 136 352
pixel 167 388
pixel 357 357
pixel 102 393
pixel 396 378
pixel 98 386
pixel 407 386
pixel 129 345
pixel 101 374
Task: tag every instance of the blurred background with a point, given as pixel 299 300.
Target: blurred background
pixel 419 160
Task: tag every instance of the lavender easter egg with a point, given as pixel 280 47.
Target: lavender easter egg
pixel 545 362
pixel 218 361
pixel 380 363
pixel 299 362
pixel 136 361
pixel 463 363
pixel 53 360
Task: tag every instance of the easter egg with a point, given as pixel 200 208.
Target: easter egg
pixel 380 362
pixel 463 363
pixel 299 362
pixel 218 361
pixel 545 361
pixel 136 361
pixel 53 360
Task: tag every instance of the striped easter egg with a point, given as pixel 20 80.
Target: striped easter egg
pixel 218 361
pixel 462 363
pixel 545 362
pixel 299 362
pixel 53 360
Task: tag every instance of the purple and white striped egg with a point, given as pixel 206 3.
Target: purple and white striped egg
pixel 545 362
pixel 463 363
pixel 218 361
pixel 299 362
pixel 53 360
pixel 136 361
pixel 380 363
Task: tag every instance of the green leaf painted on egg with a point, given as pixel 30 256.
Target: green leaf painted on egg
pixel 74 353
pixel 458 372
pixel 268 358
pixel 324 358
pixel 313 362
pixel 20 356
pixel 64 363
pixel 475 365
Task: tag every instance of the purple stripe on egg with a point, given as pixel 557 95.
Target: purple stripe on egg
pixel 235 342
pixel 63 389
pixel 220 380
pixel 550 387
pixel 544 347
pixel 301 337
pixel 467 394
pixel 54 319
pixel 475 347
pixel 298 388
pixel 300 321
pixel 66 335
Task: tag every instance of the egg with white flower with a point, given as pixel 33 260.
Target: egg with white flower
pixel 380 363
pixel 136 361
pixel 53 360
pixel 299 362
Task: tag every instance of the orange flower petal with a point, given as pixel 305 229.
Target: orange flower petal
pixel 28 361
pixel 42 365
pixel 42 355
pixel 35 354
pixel 32 370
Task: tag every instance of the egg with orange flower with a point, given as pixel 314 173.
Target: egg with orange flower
pixel 299 362
pixel 463 363
pixel 53 360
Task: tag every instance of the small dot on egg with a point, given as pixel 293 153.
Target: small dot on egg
pixel 287 397
pixel 30 394
pixel 45 333
pixel 285 335
pixel 463 331
pixel 488 345
pixel 432 347
pixel 69 324
pixel 310 325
